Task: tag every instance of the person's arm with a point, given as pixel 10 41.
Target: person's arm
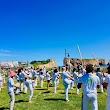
pixel 98 82
pixel 106 81
pixel 105 85
pixel 70 77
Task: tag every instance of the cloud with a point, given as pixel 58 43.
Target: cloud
pixel 5 55
pixel 9 55
pixel 3 50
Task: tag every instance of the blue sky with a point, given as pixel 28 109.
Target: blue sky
pixel 41 29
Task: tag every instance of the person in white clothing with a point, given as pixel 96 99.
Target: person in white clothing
pixel 22 75
pixel 41 78
pixel 48 78
pixel 54 79
pixel 1 82
pixel 75 75
pixel 28 83
pixel 10 87
pixel 67 79
pixel 106 84
pixel 100 75
pixel 90 82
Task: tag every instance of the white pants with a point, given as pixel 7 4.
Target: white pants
pixel 31 94
pixel 55 86
pixel 12 100
pixel 108 103
pixel 92 99
pixel 101 88
pixel 23 86
pixel 66 91
pixel 66 87
pixel 72 84
pixel 77 90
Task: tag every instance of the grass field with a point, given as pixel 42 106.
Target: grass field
pixel 46 100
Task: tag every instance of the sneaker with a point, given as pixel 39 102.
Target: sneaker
pixel 30 101
pixel 67 100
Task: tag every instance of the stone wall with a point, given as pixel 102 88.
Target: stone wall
pixel 51 64
pixel 76 61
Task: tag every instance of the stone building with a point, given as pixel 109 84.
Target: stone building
pixel 76 61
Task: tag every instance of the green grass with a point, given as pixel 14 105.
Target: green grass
pixel 47 100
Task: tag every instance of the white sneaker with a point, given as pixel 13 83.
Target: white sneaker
pixel 67 100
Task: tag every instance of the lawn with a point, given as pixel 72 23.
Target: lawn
pixel 44 99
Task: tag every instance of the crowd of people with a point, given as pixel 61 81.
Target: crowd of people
pixel 23 79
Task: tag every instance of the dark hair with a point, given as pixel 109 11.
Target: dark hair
pixel 21 69
pixel 74 69
pixel 108 69
pixel 55 71
pixel 98 69
pixel 89 68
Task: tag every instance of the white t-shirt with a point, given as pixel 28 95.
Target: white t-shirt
pixel 47 76
pixel 89 83
pixel 107 80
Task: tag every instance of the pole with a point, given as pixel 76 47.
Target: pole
pixel 95 58
pixel 65 53
pixel 80 54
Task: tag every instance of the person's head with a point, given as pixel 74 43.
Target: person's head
pixel 108 69
pixel 22 69
pixel 55 71
pixel 63 69
pixel 98 69
pixel 89 68
pixel 74 69
pixel 11 74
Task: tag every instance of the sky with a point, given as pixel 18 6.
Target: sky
pixel 42 29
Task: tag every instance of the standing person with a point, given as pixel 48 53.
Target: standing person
pixel 90 82
pixel 34 73
pixel 28 83
pixel 67 79
pixel 41 77
pixel 17 90
pixel 10 86
pixel 48 78
pixel 100 75
pixel 1 82
pixel 75 75
pixel 3 75
pixel 22 75
pixel 67 71
pixel 106 84
pixel 54 79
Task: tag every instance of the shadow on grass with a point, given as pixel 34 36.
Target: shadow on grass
pixel 99 92
pixel 46 92
pixel 54 99
pixel 40 89
pixel 68 93
pixel 4 108
pixel 19 101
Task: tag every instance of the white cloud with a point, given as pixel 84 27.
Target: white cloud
pixel 3 50
pixel 5 55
